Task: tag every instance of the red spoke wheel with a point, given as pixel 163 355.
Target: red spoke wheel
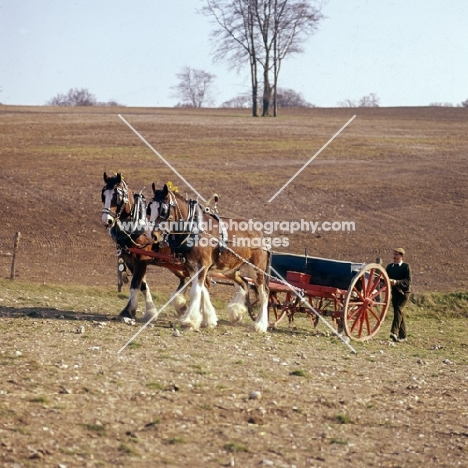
pixel 366 302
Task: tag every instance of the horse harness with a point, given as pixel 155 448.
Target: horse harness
pixel 187 229
pixel 124 233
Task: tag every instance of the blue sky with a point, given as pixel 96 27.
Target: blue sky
pixel 407 52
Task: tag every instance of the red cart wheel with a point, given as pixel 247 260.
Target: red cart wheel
pixel 366 302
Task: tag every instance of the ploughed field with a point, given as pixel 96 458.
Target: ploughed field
pixel 68 397
pixel 398 174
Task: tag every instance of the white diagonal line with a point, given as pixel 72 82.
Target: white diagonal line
pixel 160 157
pixel 159 311
pixel 312 158
pixel 315 311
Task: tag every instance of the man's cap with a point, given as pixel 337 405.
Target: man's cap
pixel 399 250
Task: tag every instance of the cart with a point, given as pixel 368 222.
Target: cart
pixel 356 296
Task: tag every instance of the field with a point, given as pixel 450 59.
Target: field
pixel 69 398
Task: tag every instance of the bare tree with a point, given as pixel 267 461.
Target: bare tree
pixel 290 98
pixel 194 87
pixel 236 37
pixel 465 103
pixel 241 101
pixel 294 22
pixel 347 103
pixel 371 100
pixel 264 32
pixel 442 104
pixel 74 97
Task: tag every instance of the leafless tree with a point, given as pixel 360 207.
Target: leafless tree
pixel 264 32
pixel 347 103
pixel 74 97
pixel 242 101
pixel 371 100
pixel 442 104
pixel 236 37
pixel 194 87
pixel 283 98
pixel 465 103
pixel 290 98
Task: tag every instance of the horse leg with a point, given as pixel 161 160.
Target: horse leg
pixel 193 317
pixel 210 320
pixel 236 307
pixel 139 270
pixel 261 323
pixel 179 302
pixel 151 312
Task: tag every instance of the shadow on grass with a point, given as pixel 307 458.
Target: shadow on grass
pixel 44 313
pixel 53 313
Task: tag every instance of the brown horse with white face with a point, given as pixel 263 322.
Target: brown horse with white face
pixel 209 244
pixel 124 213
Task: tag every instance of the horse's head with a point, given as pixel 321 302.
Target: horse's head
pixel 116 198
pixel 160 207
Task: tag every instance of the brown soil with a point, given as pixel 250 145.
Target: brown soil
pixel 398 174
pixel 70 399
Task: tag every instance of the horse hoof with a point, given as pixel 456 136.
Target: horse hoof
pixel 186 325
pixel 209 325
pixel 149 315
pixel 126 314
pixel 259 328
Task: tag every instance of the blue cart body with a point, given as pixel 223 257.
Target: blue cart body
pixel 323 271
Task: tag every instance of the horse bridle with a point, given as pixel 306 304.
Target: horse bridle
pixel 164 210
pixel 122 198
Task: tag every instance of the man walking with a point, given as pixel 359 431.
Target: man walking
pixel 400 279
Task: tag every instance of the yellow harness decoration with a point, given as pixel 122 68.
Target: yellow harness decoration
pixel 172 187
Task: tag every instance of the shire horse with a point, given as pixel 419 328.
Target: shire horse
pixel 124 214
pixel 210 244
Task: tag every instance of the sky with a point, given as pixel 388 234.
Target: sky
pixel 407 52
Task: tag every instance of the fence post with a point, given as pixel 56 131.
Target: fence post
pixel 15 249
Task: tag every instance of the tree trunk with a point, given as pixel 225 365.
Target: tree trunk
pixel 255 101
pixel 266 93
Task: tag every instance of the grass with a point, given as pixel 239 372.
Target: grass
pixel 40 399
pixel 96 428
pixel 440 305
pixel 175 440
pixel 135 345
pixel 343 419
pixel 236 447
pixel 338 441
pixel 124 448
pixel 155 385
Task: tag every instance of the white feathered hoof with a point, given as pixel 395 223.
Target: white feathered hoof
pixel 209 324
pixel 236 312
pixel 260 327
pixel 180 304
pixel 149 314
pixel 190 324
pixel 186 324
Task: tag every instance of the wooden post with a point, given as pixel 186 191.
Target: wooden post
pixel 15 249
